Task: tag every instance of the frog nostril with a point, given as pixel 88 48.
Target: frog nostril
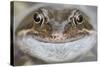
pixel 56 36
pixel 53 36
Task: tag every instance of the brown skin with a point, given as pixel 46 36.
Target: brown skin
pixel 45 25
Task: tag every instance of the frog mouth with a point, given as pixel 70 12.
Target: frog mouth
pixel 58 38
pixel 62 38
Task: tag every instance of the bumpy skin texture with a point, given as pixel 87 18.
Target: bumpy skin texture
pixel 52 25
pixel 55 35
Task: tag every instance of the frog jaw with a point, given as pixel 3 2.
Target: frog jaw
pixel 57 38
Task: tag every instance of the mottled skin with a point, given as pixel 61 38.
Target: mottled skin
pixel 51 25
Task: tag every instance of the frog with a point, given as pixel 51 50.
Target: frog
pixel 54 34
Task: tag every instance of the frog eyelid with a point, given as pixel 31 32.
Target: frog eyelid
pixel 45 14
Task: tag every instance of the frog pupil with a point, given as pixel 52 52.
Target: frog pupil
pixel 80 18
pixel 36 18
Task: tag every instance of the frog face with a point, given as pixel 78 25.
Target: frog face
pixel 53 25
pixel 55 33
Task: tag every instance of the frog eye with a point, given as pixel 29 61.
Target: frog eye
pixel 38 18
pixel 79 19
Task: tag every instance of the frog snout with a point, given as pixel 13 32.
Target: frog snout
pixel 57 36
